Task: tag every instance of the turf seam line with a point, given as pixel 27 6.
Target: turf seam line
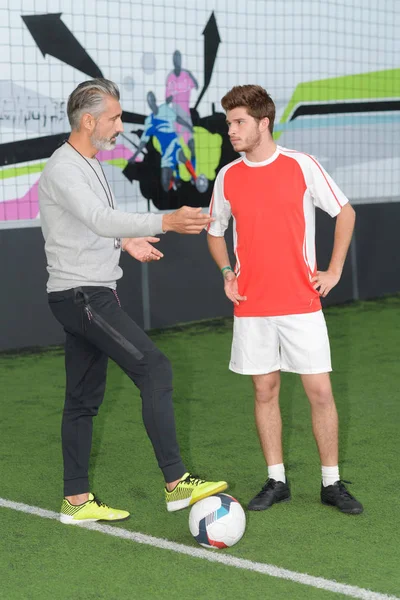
pixel 212 556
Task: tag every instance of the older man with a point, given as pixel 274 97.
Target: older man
pixel 84 234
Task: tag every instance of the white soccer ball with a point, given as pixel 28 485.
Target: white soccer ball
pixel 217 521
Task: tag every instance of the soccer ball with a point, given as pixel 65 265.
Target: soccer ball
pixel 217 521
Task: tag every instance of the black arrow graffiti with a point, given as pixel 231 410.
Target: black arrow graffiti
pixel 211 43
pixel 13 153
pixel 53 37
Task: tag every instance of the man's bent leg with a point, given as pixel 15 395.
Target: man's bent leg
pixel 114 332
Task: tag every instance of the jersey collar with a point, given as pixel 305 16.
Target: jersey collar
pixel 263 163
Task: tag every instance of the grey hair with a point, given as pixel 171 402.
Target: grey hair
pixel 88 97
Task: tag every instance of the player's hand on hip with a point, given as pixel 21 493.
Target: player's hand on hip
pixel 142 249
pixel 231 289
pixel 187 220
pixel 324 281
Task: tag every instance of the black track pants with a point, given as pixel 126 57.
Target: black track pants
pixel 96 328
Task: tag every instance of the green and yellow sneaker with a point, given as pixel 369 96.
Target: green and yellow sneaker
pixel 91 510
pixel 191 489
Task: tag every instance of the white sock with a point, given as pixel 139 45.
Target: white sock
pixel 277 472
pixel 330 475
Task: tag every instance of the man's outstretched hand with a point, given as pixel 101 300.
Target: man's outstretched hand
pixel 186 220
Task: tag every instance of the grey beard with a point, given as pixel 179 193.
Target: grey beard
pixel 102 143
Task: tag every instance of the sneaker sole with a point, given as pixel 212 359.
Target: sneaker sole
pixel 271 505
pixel 67 520
pixel 180 504
pixel 354 511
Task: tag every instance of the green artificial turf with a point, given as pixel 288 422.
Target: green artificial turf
pixel 216 431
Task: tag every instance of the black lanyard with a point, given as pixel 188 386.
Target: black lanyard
pixel 109 195
pixel 117 241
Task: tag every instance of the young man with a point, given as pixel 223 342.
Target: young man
pixel 83 235
pixel 271 192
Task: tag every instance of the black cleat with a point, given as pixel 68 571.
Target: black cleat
pixel 271 493
pixel 337 495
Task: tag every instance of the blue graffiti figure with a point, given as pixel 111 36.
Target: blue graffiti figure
pixel 161 124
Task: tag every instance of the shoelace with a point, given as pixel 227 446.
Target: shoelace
pixel 269 484
pixel 193 480
pixel 99 502
pixel 342 489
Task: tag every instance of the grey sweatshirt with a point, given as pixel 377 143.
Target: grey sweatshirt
pixel 79 226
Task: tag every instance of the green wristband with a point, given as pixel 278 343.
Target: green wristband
pixel 226 269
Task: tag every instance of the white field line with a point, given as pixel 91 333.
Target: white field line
pixel 212 556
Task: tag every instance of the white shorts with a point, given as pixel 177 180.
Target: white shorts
pixel 293 343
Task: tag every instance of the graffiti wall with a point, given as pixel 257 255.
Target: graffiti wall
pixel 331 67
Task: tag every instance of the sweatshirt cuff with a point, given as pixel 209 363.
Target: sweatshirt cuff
pixel 156 224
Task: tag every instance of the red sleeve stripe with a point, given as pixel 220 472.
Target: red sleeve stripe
pixel 319 167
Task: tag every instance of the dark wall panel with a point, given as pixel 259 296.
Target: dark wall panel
pixel 185 285
pixel 378 245
pixel 25 319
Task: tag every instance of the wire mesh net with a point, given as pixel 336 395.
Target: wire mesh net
pixel 331 68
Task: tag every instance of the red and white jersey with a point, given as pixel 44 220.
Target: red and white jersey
pixel 273 207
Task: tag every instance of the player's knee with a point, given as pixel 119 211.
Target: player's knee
pixel 265 398
pixel 321 397
pixel 81 410
pixel 159 370
pixel 266 388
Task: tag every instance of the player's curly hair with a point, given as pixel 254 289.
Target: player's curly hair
pixel 255 99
